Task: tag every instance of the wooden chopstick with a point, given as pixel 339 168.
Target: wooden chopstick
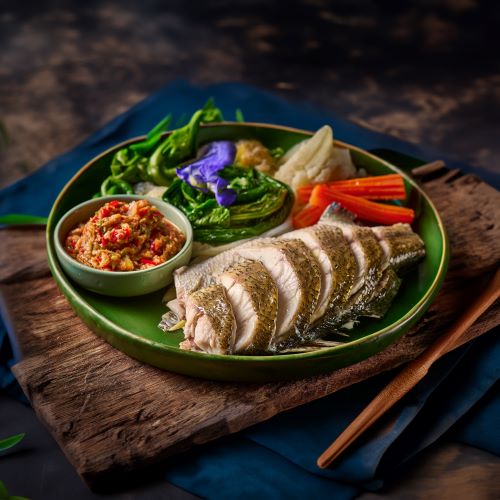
pixel 411 375
pixel 428 168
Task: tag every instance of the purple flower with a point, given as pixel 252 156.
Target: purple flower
pixel 202 174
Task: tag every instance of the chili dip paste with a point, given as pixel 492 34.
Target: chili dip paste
pixel 125 237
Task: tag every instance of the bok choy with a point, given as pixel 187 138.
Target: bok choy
pixel 261 203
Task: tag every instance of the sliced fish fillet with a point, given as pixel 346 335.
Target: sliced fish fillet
pixel 188 279
pixel 271 294
pixel 367 252
pixel 401 246
pixel 253 295
pixel 383 295
pixel 210 322
pixel 296 273
pixel 336 262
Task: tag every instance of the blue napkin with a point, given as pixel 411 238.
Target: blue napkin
pixel 277 458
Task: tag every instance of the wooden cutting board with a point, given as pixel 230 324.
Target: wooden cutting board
pixel 111 414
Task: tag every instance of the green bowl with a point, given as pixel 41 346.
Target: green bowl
pixel 121 283
pixel 130 324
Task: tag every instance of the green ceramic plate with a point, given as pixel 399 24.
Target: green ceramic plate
pixel 130 324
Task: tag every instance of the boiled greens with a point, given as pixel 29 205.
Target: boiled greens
pixel 261 203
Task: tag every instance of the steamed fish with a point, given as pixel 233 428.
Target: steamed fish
pixel 401 246
pixel 336 261
pixel 210 323
pixel 297 276
pixel 253 295
pixel 281 293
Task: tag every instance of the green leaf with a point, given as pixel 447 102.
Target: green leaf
pixel 112 186
pixel 239 115
pixel 21 219
pixel 211 113
pixel 193 196
pixel 232 172
pixel 160 127
pixel 277 153
pixel 259 209
pixel 179 145
pixel 11 441
pixel 125 165
pixel 202 209
pixel 153 137
pixel 251 195
pixel 220 236
pixel 4 494
pixel 217 217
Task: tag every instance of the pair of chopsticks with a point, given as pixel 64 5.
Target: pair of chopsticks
pixel 412 374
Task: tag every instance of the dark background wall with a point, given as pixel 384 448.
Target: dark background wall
pixel 426 71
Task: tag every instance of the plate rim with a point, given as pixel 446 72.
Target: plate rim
pixel 73 296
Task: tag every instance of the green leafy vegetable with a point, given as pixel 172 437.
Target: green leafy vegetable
pixel 155 160
pixel 262 203
pixel 4 494
pixel 269 203
pixel 116 186
pixel 211 113
pixel 11 441
pixel 21 219
pixel 153 137
pixel 239 116
pixel 217 217
pixel 277 153
pixel 220 236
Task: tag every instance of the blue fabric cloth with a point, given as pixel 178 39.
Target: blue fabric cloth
pixel 276 459
pixel 179 98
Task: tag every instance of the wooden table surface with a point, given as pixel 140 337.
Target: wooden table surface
pixel 114 425
pixel 68 68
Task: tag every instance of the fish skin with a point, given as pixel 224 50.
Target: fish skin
pixel 345 269
pixel 380 301
pixel 198 275
pixel 263 294
pixel 388 251
pixel 402 246
pixel 343 260
pixel 310 278
pixel 212 302
pixel 330 248
pixel 307 272
pixel 373 258
pixel 373 261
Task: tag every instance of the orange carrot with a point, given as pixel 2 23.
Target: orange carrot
pixel 380 213
pixel 307 217
pixel 383 187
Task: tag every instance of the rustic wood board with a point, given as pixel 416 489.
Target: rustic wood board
pixel 111 414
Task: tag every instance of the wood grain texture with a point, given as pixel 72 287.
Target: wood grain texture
pixel 111 414
pixel 446 470
pixel 396 67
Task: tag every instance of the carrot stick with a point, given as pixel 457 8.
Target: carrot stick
pixel 307 216
pixel 383 187
pixel 380 213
